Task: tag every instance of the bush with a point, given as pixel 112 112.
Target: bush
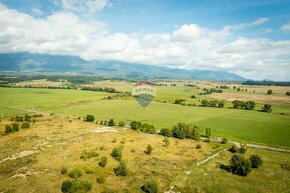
pixel 239 165
pixel 111 122
pixel 204 103
pixel 89 154
pixel 15 127
pixel 76 186
pixel 147 128
pixel 269 91
pixel 166 132
pixel 166 141
pixel 63 170
pixel 135 125
pixel 103 161
pixel 150 186
pixel 198 146
pixel 75 173
pixel 242 150
pixel 121 169
pixel 179 130
pixel 234 149
pixel 117 153
pixel 267 108
pixel 8 129
pixel 101 179
pixel 121 124
pixel 25 125
pixel 224 141
pixel 149 149
pixel 256 161
pixel 90 118
pixel 287 93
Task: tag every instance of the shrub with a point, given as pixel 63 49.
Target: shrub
pixel 121 124
pixel 117 153
pixel 8 129
pixel 234 149
pixel 242 150
pixel 25 125
pixel 123 141
pixel 76 186
pixel 239 165
pixel 166 132
pixel 150 186
pixel 288 93
pixel 149 149
pixel 15 126
pixel 135 125
pixel 63 170
pixel 75 173
pixel 196 134
pixel 198 146
pixel 101 179
pixel 114 140
pixel 89 154
pixel 256 161
pixel 90 118
pixel 249 105
pixel 89 171
pixel 111 122
pixel 121 169
pixel 224 141
pixel 103 161
pixel 221 104
pixel 147 128
pixel 166 141
pixel 267 108
pixel 192 96
pixel 269 91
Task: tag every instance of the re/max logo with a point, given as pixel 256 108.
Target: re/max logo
pixel 144 89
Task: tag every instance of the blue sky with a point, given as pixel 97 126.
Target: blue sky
pixel 190 34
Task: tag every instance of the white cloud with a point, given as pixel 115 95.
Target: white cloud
pixel 257 22
pixel 190 46
pixel 84 5
pixel 286 27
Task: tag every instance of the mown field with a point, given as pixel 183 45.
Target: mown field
pixel 235 124
pixel 57 141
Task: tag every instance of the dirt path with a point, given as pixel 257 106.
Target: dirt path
pixel 18 155
pixel 209 158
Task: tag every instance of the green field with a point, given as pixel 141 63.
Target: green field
pixel 241 125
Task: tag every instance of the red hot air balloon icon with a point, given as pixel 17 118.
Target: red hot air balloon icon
pixel 144 93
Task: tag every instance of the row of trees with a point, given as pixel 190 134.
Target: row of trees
pixel 212 103
pixel 248 105
pixel 14 127
pixel 145 127
pixel 101 89
pixel 111 122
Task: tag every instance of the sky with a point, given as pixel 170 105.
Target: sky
pixel 246 37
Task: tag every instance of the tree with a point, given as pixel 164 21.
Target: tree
pixel 288 93
pixel 239 165
pixel 90 118
pixel 121 124
pixel 111 122
pixel 213 103
pixel 149 149
pixel 221 104
pixel 269 91
pixel 238 89
pixel 150 186
pixel 121 169
pixel 249 105
pixel 204 103
pixel 148 128
pixel 179 130
pixel 234 87
pixel 207 132
pixel 166 132
pixel 8 129
pixel 103 161
pixel 267 108
pixel 237 104
pixel 196 134
pixel 135 125
pixel 256 161
pixel 117 153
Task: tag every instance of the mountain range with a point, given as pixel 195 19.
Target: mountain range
pixel 44 63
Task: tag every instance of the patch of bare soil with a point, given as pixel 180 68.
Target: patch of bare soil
pixel 104 129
